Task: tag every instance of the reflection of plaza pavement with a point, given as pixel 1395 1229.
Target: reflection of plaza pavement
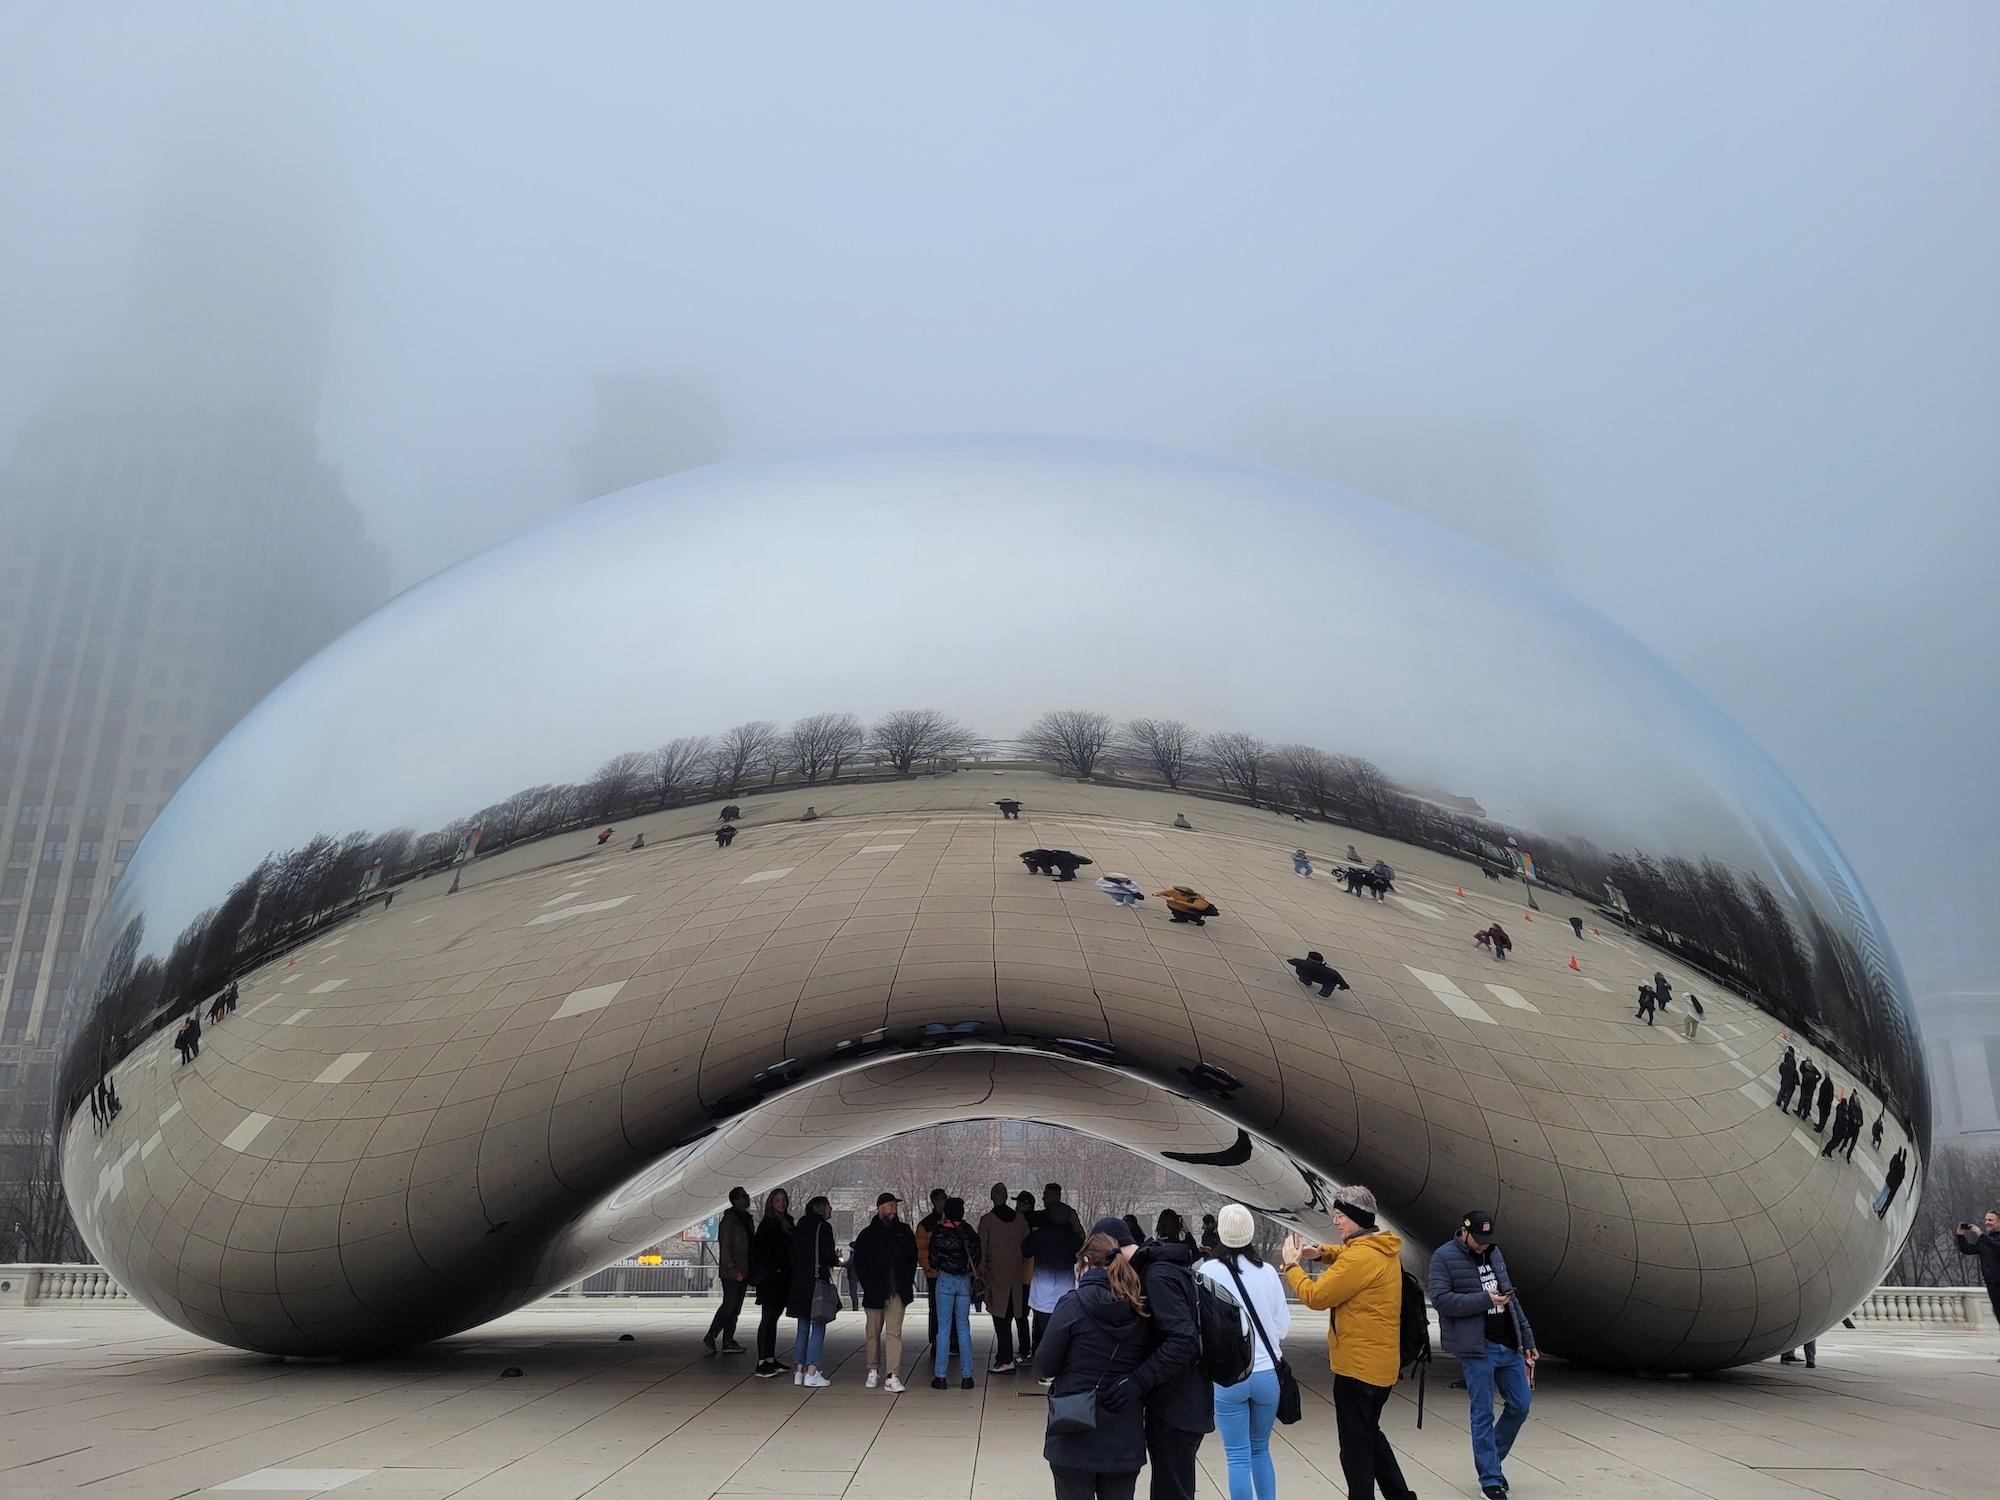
pixel 463 1059
pixel 115 1403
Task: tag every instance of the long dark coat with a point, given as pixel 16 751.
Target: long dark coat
pixel 1095 1338
pixel 771 1259
pixel 814 1255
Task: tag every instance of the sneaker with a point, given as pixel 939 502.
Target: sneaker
pixel 1494 1491
pixel 874 1379
pixel 1788 1359
pixel 937 1383
pixel 1006 1369
pixel 708 1346
pixel 1046 1381
pixel 965 1384
pixel 799 1375
pixel 892 1384
pixel 730 1346
pixel 768 1370
pixel 816 1380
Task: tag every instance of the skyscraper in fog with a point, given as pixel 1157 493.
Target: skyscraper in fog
pixel 647 426
pixel 172 543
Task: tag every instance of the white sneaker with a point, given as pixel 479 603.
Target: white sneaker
pixel 816 1380
pixel 799 1375
pixel 892 1384
pixel 874 1379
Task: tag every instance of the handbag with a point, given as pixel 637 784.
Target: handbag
pixel 1078 1412
pixel 826 1302
pixel 1288 1384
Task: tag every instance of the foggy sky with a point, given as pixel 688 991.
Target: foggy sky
pixel 1691 309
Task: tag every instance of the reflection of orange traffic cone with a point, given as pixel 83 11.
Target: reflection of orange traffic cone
pixel 1573 964
pixel 1595 933
pixel 290 961
pixel 1529 915
pixel 1461 893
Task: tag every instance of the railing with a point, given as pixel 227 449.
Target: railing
pixel 37 1286
pixel 1951 1306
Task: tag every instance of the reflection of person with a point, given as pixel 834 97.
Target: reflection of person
pixel 1808 1087
pixel 1186 904
pixel 1984 1243
pixel 1576 926
pixel 1010 807
pixel 1892 1180
pixel 1180 821
pixel 1363 1287
pixel 605 836
pixel 1313 969
pixel 1788 1078
pixel 1037 861
pixel 1875 1135
pixel 810 815
pixel 1481 1323
pixel 1067 864
pixel 1647 1000
pixel 1120 888
pixel 1825 1102
pixel 1496 938
pixel 1300 864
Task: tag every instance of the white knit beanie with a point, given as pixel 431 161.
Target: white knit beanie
pixel 1235 1226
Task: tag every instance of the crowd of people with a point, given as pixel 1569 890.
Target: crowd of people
pixel 1144 1343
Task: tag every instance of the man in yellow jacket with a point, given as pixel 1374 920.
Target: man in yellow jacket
pixel 1362 1287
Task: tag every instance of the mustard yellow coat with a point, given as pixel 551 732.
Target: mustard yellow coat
pixel 1362 1286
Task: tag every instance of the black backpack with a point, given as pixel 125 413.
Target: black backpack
pixel 1225 1347
pixel 1413 1338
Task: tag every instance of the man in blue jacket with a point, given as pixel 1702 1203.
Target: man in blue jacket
pixel 1481 1323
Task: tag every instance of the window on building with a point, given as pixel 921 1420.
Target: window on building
pixel 51 1024
pixel 59 815
pixel 143 745
pixel 183 713
pixel 72 924
pixel 131 817
pixel 79 885
pixel 6 956
pixel 137 783
pixel 38 923
pixel 21 850
pixel 31 812
pixel 93 814
pixel 126 846
pixel 9 1072
pixel 151 712
pixel 177 747
pixel 52 849
pixel 89 850
pixel 13 885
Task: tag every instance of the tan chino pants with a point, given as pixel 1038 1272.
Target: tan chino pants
pixel 883 1337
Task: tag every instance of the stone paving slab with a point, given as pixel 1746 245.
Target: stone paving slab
pixel 113 1402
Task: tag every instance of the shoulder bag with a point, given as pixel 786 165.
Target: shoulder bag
pixel 1288 1383
pixel 826 1296
pixel 1078 1412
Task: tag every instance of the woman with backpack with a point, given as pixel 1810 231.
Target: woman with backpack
pixel 954 1255
pixel 814 1255
pixel 1095 1339
pixel 1245 1411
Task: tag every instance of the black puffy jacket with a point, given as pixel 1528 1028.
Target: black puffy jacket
pixel 814 1255
pixel 1094 1339
pixel 954 1249
pixel 1177 1393
pixel 771 1259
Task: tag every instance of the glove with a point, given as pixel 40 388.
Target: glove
pixel 1120 1394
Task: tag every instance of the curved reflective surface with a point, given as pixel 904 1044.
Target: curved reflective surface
pixel 451 1086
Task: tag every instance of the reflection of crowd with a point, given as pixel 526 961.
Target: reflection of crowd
pixel 1820 1100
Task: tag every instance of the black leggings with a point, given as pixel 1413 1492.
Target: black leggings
pixel 1081 1484
pixel 767 1330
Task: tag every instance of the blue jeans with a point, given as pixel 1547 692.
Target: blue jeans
pixel 810 1343
pixel 1244 1413
pixel 1503 1369
pixel 1301 867
pixel 954 1300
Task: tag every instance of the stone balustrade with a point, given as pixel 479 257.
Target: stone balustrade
pixel 40 1286
pixel 1946 1306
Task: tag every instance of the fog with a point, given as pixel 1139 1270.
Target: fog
pixel 1693 309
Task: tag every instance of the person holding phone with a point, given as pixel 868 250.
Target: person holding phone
pixel 1986 1245
pixel 1480 1321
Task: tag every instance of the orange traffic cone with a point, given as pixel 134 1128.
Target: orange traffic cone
pixel 1573 963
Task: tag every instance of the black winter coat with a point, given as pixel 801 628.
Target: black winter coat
pixel 885 1262
pixel 1093 1340
pixel 814 1255
pixel 954 1249
pixel 1177 1393
pixel 771 1259
pixel 1986 1245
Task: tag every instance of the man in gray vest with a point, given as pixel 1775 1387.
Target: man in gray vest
pixel 1481 1323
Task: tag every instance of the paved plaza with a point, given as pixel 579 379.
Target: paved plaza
pixel 114 1402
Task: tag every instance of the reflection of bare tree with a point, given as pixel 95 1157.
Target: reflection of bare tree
pixel 1239 761
pixel 616 784
pixel 676 766
pixel 907 736
pixel 1164 747
pixel 738 751
pixel 1073 739
pixel 820 744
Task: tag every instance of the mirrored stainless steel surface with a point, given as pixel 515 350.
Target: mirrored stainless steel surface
pixel 452 1086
